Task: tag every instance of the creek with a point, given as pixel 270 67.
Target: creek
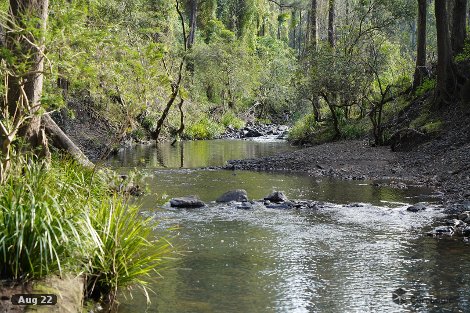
pixel 349 255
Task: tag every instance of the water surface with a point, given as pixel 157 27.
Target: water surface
pixel 338 258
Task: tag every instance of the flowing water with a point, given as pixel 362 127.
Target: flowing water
pixel 349 255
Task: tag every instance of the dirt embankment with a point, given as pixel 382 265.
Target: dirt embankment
pixel 88 130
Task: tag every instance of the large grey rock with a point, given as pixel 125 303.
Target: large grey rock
pixel 416 208
pixel 251 132
pixel 187 202
pixel 238 195
pixel 276 196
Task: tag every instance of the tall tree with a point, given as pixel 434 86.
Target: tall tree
pixel 420 70
pixel 313 25
pixel 25 87
pixel 331 22
pixel 446 78
pixel 192 22
pixel 459 15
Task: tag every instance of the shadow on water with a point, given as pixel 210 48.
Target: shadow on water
pixel 339 258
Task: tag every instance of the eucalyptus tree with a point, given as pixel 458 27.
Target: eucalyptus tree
pixel 23 77
pixel 420 70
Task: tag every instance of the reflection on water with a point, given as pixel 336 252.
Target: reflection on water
pixel 339 258
pixel 193 154
pixel 209 184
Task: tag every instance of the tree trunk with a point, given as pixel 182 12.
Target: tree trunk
pixel 25 89
pixel 331 23
pixel 299 45
pixel 458 26
pixel 316 109
pixel 446 80
pixel 313 26
pixel 192 23
pixel 420 70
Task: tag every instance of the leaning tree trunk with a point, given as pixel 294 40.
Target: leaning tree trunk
pixel 62 141
pixel 420 70
pixel 446 78
pixel 25 89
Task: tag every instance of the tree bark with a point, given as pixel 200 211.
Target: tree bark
pixel 446 80
pixel 313 26
pixel 331 23
pixel 420 70
pixel 25 89
pixel 459 32
pixel 192 23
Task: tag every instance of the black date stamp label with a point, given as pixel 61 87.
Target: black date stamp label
pixel 34 299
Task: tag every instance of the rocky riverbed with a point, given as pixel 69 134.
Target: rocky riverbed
pixel 457 224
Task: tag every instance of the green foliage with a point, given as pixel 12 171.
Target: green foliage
pixel 465 55
pixel 205 128
pixel 66 219
pixel 304 129
pixel 426 86
pixel 41 230
pixel 355 129
pixel 127 254
pixel 432 126
pixel 230 119
pixel 277 90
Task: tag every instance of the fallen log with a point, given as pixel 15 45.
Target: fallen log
pixel 61 141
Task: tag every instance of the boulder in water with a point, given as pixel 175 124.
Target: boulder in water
pixel 187 202
pixel 276 196
pixel 416 208
pixel 238 195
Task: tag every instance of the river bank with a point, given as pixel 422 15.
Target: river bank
pixel 446 169
pixel 440 160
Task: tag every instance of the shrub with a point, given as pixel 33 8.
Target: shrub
pixel 127 252
pixel 67 218
pixel 205 128
pixel 303 129
pixel 355 129
pixel 427 85
pixel 229 118
pixel 41 228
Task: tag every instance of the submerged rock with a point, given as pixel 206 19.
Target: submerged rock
pixel 283 206
pixel 416 208
pixel 187 202
pixel 466 231
pixel 464 215
pixel 245 206
pixel 238 195
pixel 442 231
pixel 276 196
